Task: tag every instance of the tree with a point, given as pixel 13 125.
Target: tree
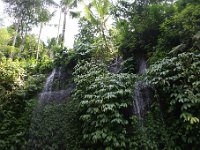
pixel 180 28
pixel 99 18
pixel 43 19
pixel 5 37
pixel 139 27
pixel 26 14
pixel 65 6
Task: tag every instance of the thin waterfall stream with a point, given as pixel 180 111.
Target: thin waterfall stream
pixel 49 94
pixel 49 115
pixel 49 81
pixel 141 99
pixel 115 66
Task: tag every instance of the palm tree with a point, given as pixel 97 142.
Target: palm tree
pixel 66 5
pixel 99 19
pixel 16 26
pixel 58 34
pixel 45 16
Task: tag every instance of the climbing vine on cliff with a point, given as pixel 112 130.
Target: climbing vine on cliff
pixel 104 103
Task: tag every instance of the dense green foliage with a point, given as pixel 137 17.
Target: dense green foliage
pixel 52 127
pixel 103 105
pixel 176 81
pixel 16 103
pixel 100 112
pixel 178 77
pixel 21 79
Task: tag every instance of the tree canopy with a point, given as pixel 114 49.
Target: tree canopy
pixel 130 82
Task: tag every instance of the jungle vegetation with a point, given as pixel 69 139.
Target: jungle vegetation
pixel 99 113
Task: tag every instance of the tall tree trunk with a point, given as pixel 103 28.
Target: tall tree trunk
pixel 108 40
pixel 57 39
pixel 104 37
pixel 64 27
pixel 38 44
pixel 23 41
pixel 15 38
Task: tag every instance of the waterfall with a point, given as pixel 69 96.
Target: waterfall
pixel 141 94
pixel 142 65
pixel 49 93
pixel 115 66
pixel 49 115
pixel 49 81
pixel 141 98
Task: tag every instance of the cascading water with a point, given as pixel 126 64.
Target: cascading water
pixel 141 99
pixel 49 81
pixel 49 115
pixel 142 65
pixel 115 66
pixel 54 95
pixel 47 87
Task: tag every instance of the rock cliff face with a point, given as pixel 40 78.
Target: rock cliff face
pixel 141 98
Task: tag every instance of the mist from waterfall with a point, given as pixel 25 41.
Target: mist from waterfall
pixel 49 116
